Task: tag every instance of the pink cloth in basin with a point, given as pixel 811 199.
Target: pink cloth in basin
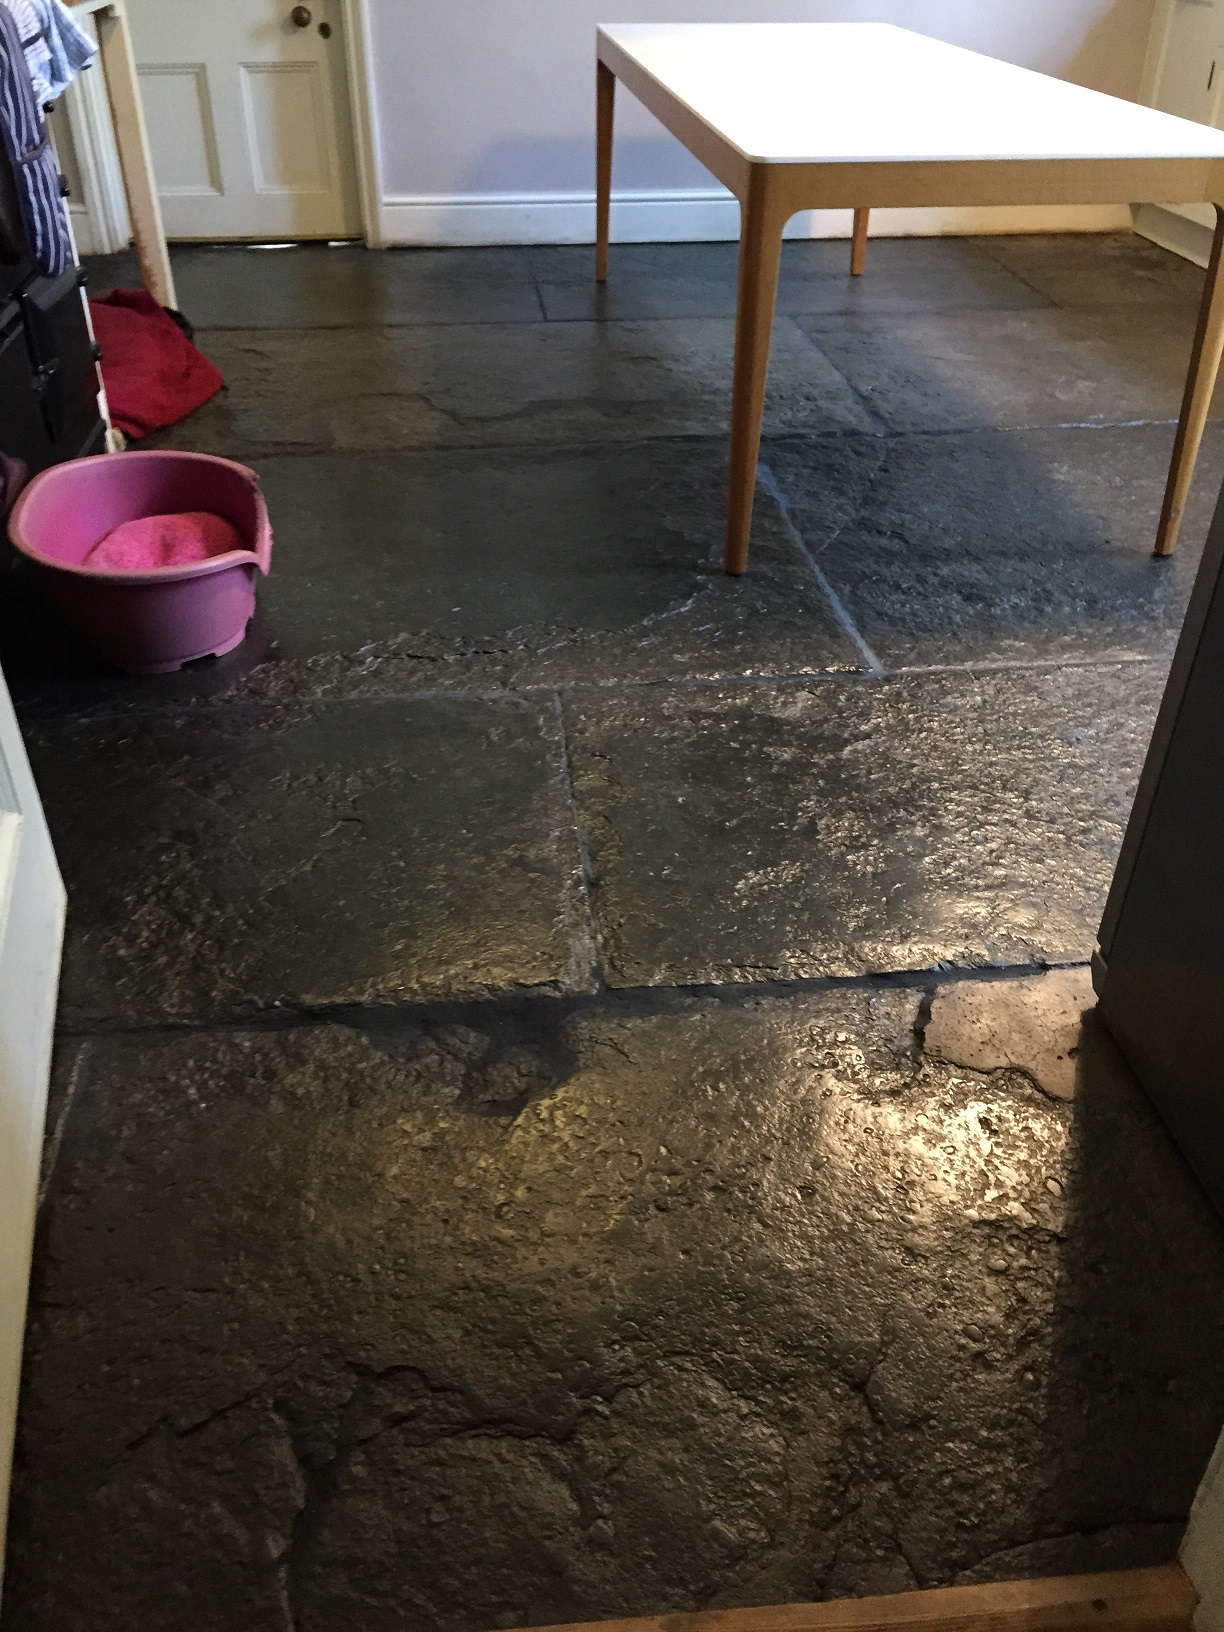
pixel 163 541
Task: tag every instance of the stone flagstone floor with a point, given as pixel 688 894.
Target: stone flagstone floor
pixel 495 1172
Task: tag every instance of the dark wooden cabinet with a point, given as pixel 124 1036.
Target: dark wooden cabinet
pixel 1159 970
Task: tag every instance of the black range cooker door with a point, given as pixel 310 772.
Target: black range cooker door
pixel 64 361
pixel 1159 970
pixel 23 425
pixel 48 377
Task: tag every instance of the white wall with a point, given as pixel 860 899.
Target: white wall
pixel 485 108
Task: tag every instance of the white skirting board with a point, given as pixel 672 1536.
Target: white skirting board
pixel 689 217
pixel 1173 230
pixel 1202 1553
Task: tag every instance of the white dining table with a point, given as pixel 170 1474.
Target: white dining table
pixel 798 116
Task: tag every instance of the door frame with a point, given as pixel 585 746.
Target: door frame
pixel 98 160
pixel 1154 56
pixel 98 208
pixel 358 51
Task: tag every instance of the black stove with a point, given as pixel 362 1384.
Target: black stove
pixel 48 378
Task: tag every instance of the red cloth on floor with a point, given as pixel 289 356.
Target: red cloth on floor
pixel 163 541
pixel 153 374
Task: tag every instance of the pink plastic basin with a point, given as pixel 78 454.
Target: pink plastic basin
pixel 146 622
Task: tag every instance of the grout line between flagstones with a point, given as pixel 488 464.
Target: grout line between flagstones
pixel 589 952
pixel 769 482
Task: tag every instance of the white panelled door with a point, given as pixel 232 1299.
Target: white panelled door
pixel 1192 70
pixel 31 929
pixel 247 107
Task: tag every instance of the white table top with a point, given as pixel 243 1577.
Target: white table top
pixel 810 93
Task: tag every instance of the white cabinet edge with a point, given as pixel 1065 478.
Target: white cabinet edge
pixel 1202 1553
pixel 31 935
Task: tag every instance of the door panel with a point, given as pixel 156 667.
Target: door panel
pixel 248 117
pixel 62 352
pixel 179 118
pixel 286 127
pixel 23 431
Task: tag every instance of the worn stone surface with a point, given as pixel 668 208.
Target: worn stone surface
pixel 313 286
pixel 1001 545
pixel 391 1270
pixel 69 1061
pixel 498 385
pixel 779 832
pixel 541 566
pixel 459 570
pixel 964 370
pixel 699 280
pixel 1117 1547
pixel 1039 1026
pixel 1099 269
pixel 242 860
pixel 546 1312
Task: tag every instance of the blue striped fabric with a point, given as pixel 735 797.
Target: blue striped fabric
pixel 68 48
pixel 24 138
pixel 35 44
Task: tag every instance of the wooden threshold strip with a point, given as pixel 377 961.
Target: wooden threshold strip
pixel 1155 1600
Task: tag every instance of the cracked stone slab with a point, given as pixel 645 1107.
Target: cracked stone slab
pixel 544 1310
pixel 742 833
pixel 315 286
pixel 1099 269
pixel 233 862
pixel 477 571
pixel 364 390
pixel 973 370
pixel 549 566
pixel 1002 546
pixel 1037 1026
pixel 69 1065
pixel 699 280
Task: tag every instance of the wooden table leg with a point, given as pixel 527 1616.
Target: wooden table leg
pixel 1200 383
pixel 762 220
pixel 858 244
pixel 605 102
pixel 131 139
